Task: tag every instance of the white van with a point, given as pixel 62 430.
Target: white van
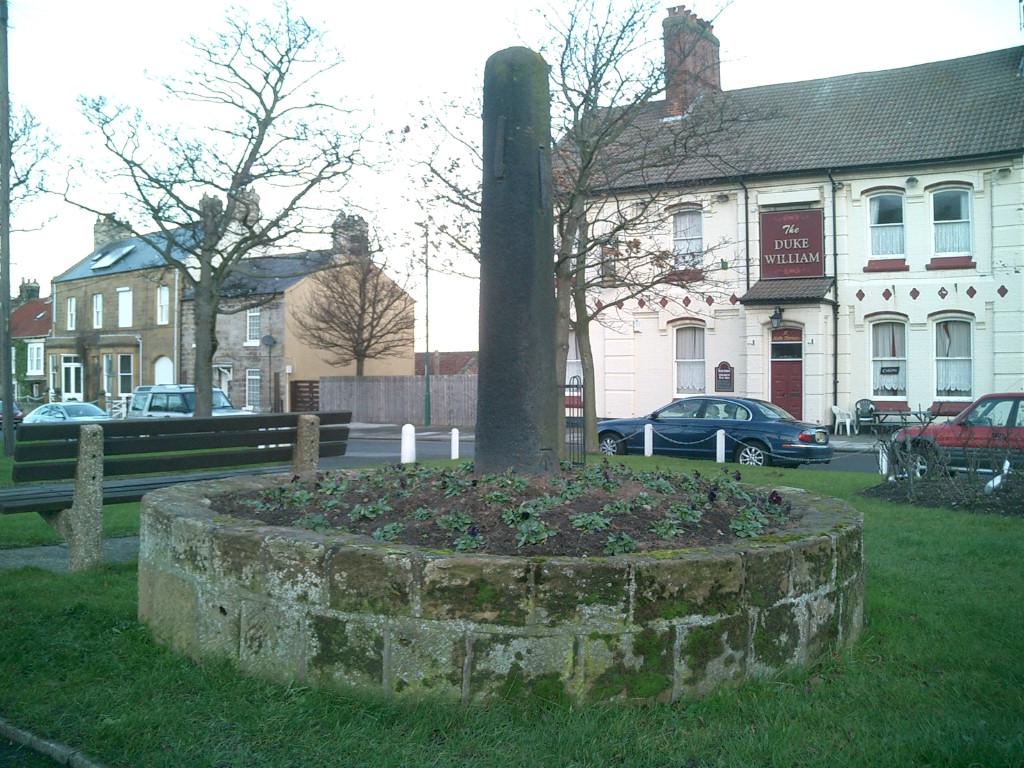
pixel 175 401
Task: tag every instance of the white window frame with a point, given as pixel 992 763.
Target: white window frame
pixel 252 388
pixel 945 240
pixel 125 374
pixel 688 237
pixel 124 307
pixel 690 363
pixel 883 235
pixel 97 310
pixel 34 358
pixel 72 312
pixel 163 304
pixel 252 327
pixel 951 362
pixel 883 385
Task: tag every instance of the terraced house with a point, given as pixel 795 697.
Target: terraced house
pixel 859 236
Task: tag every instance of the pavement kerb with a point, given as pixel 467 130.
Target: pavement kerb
pixel 60 753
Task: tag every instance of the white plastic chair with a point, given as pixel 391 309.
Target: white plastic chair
pixel 841 417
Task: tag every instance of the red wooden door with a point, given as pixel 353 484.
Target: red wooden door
pixel 787 370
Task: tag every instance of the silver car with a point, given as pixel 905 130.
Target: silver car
pixel 54 413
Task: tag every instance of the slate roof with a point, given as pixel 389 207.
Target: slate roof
pixel 269 275
pixel 959 109
pixel 128 255
pixel 32 319
pixel 789 290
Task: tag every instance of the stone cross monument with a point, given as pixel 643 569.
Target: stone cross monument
pixel 517 396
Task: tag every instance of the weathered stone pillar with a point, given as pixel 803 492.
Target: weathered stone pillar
pixel 82 525
pixel 517 398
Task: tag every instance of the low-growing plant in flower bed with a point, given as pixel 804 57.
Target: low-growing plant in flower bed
pixel 599 510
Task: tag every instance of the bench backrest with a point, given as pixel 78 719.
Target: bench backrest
pixel 149 446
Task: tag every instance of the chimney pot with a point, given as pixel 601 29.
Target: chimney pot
pixel 692 63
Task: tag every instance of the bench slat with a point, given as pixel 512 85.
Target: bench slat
pixel 49 452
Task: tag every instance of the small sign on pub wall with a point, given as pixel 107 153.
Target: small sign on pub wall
pixel 724 379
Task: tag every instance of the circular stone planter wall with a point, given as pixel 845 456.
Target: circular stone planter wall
pixel 337 610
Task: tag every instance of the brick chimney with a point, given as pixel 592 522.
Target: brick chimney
pixel 350 236
pixel 108 229
pixel 692 64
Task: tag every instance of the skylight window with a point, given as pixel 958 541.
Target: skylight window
pixel 108 258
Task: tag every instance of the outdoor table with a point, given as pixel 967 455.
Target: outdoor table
pixel 892 419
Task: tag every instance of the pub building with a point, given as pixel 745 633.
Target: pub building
pixel 854 242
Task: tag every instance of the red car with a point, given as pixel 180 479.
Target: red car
pixel 988 433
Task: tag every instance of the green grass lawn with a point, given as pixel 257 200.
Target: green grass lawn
pixel 937 678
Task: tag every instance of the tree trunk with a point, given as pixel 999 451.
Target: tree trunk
pixel 205 309
pixel 563 300
pixel 587 361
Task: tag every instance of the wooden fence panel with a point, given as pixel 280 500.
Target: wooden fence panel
pixel 401 400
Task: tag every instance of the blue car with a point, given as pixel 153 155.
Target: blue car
pixel 756 432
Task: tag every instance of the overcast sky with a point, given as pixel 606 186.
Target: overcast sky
pixel 400 51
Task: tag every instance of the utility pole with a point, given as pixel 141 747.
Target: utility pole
pixel 7 386
pixel 426 324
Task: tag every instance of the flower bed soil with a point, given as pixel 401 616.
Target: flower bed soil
pixel 604 509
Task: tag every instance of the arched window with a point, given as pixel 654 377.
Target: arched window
pixel 889 359
pixel 951 219
pixel 688 237
pixel 689 359
pixel 954 360
pixel 887 230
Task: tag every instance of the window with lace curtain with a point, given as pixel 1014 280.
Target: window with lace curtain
pixel 954 362
pixel 951 218
pixel 688 237
pixel 889 359
pixel 690 375
pixel 887 231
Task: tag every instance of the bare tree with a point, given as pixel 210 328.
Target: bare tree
pixel 616 149
pixel 354 311
pixel 265 128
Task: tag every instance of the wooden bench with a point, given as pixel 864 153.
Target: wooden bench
pixel 67 472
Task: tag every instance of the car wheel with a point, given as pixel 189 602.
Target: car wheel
pixel 611 444
pixel 921 460
pixel 753 454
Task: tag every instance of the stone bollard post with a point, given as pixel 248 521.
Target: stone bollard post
pixel 306 454
pixel 82 525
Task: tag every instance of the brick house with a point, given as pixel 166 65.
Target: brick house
pixel 862 239
pixel 116 320
pixel 31 320
pixel 260 361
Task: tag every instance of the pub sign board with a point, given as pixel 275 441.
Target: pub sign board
pixel 793 244
pixel 724 378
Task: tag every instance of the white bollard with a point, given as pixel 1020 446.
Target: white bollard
pixel 408 444
pixel 720 446
pixel 648 439
pixel 455 443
